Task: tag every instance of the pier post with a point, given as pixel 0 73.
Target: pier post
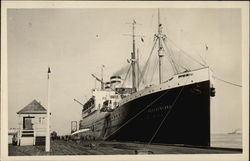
pixel 47 142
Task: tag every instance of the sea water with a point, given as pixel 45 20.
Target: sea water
pixel 226 140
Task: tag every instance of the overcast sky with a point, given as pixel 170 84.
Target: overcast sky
pixel 76 42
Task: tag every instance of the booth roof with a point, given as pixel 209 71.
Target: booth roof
pixel 33 108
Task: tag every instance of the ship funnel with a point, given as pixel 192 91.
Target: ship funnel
pixel 107 85
pixel 115 81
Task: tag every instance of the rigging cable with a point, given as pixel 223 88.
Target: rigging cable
pixel 166 49
pixel 186 53
pixel 227 82
pixel 178 64
pixel 126 76
pixel 171 53
pixel 171 60
pixel 200 55
pixel 146 64
pixel 154 69
pixel 140 78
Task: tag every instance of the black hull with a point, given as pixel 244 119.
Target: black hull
pixel 176 116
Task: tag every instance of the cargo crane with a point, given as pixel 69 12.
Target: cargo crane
pixel 102 83
pixel 99 80
pixel 78 102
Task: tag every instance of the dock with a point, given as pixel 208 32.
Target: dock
pixel 62 147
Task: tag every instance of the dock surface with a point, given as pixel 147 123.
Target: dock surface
pixel 61 147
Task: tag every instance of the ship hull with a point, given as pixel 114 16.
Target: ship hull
pixel 179 115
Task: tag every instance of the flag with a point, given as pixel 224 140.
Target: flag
pixel 142 39
pixel 49 70
pixel 206 47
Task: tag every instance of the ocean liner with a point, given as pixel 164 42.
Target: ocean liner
pixel 175 111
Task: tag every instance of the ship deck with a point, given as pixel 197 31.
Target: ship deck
pixel 61 147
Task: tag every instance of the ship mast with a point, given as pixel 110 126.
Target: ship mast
pixel 133 59
pixel 160 48
pixel 102 83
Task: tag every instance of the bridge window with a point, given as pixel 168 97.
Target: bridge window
pixel 185 75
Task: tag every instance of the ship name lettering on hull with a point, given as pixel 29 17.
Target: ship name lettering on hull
pixel 161 108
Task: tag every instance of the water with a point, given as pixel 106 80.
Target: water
pixel 226 140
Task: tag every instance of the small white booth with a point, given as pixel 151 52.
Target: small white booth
pixel 32 124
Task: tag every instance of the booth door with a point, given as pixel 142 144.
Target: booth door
pixel 27 123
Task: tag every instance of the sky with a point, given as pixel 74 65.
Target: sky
pixel 76 43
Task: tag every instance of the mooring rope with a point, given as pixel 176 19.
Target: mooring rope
pixel 172 106
pixel 139 113
pixel 234 84
pixel 143 110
